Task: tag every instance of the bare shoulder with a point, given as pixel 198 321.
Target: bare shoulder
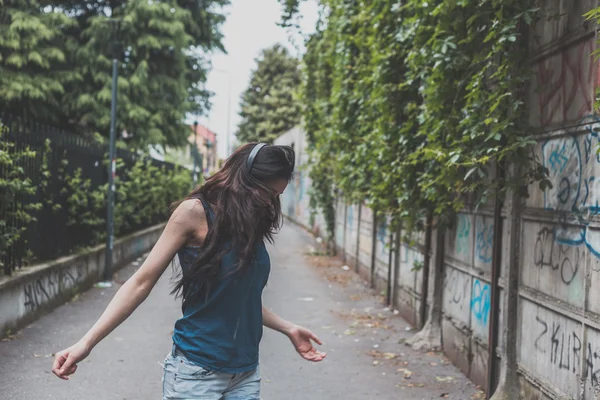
pixel 190 214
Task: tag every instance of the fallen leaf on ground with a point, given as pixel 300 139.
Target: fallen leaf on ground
pixel 406 372
pixel 444 378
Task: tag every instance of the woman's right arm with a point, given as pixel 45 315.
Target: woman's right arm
pixel 185 220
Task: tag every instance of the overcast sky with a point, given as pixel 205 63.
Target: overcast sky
pixel 250 27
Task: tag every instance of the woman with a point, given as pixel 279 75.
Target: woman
pixel 218 234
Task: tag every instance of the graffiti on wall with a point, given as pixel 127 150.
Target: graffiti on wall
pixel 457 289
pixel 463 235
pixel 480 302
pixel 382 233
pixel 565 84
pixel 563 351
pixel 43 289
pixel 484 239
pixel 572 163
pixel 563 258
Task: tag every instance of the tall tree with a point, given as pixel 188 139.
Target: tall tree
pixel 269 106
pixel 32 69
pixel 163 50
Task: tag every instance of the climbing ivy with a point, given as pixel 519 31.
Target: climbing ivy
pixel 418 107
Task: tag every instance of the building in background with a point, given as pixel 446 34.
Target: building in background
pixel 203 140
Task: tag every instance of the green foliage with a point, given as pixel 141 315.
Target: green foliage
pixel 56 64
pixel 18 200
pixel 144 193
pixel 269 107
pixel 15 187
pixel 32 57
pixel 85 204
pixel 414 106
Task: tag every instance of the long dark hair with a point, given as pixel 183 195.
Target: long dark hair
pixel 245 211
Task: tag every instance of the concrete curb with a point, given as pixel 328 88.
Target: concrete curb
pixel 34 291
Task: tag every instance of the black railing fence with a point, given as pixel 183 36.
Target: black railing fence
pixel 37 166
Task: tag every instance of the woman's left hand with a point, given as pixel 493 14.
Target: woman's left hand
pixel 302 340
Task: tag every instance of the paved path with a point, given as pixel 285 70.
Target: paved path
pixel 366 358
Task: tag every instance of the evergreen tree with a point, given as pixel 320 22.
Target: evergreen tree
pixel 32 69
pixel 268 106
pixel 162 48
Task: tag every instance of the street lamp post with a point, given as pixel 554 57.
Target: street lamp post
pixel 228 139
pixel 112 164
pixel 195 153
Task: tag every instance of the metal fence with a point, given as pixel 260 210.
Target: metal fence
pixel 49 235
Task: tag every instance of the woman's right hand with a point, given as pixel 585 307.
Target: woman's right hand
pixel 65 362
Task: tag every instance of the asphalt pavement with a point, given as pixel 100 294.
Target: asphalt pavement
pixel 364 341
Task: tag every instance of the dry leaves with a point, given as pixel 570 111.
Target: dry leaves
pixel 332 269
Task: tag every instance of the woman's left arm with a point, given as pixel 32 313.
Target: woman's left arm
pixel 301 337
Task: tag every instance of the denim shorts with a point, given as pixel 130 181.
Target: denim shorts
pixel 184 380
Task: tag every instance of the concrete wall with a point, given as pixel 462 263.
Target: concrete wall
pixel 559 344
pixel 295 203
pixel 36 290
pixel 558 315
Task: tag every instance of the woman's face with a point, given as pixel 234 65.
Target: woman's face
pixel 275 187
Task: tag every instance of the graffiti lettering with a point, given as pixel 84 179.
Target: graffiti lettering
pixel 565 347
pixel 480 302
pixel 550 252
pixel 569 161
pixel 541 335
pixel 457 286
pixel 45 288
pixel 484 241
pixel 463 235
pixel 382 235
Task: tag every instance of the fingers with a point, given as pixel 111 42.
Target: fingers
pixel 68 366
pixel 314 355
pixel 64 366
pixel 59 360
pixel 315 338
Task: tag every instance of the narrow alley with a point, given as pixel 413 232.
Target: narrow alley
pixel 364 341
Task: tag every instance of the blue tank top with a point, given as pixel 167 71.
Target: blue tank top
pixel 221 328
